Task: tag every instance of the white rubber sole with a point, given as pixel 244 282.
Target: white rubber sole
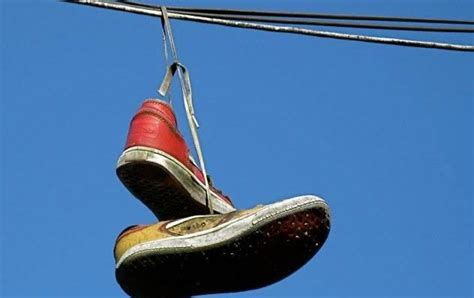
pixel 227 231
pixel 193 186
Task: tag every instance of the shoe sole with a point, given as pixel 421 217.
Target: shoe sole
pixel 244 254
pixel 164 185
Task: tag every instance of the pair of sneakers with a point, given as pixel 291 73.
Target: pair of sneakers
pixel 191 251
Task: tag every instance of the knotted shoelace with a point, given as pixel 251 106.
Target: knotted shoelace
pixel 187 98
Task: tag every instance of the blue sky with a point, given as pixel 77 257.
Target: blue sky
pixel 384 134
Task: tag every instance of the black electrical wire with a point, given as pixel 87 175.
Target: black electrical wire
pixel 225 12
pixel 311 19
pixel 293 21
pixel 152 11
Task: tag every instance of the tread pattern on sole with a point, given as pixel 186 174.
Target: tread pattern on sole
pixel 159 191
pixel 252 260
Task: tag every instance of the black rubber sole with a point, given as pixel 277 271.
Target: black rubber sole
pixel 252 260
pixel 159 191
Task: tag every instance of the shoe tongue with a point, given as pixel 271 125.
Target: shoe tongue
pixel 162 107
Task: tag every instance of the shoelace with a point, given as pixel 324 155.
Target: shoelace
pixel 187 97
pixel 211 183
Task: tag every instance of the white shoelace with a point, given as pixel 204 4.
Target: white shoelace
pixel 187 97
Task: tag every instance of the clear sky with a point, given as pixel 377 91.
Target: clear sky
pixel 383 133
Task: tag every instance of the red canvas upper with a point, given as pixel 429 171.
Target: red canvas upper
pixel 155 126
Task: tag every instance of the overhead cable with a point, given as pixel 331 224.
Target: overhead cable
pixel 293 21
pixel 306 15
pixel 319 19
pixel 152 11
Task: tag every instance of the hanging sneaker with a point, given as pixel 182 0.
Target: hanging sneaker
pixel 206 254
pixel 157 169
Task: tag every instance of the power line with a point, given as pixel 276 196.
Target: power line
pixel 156 11
pixel 315 19
pixel 294 21
pixel 307 15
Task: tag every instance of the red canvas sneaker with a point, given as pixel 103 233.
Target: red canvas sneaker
pixel 156 167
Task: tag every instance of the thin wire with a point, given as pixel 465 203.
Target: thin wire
pixel 242 15
pixel 308 15
pixel 293 21
pixel 282 29
pixel 328 34
pixel 188 105
pixel 246 15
